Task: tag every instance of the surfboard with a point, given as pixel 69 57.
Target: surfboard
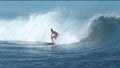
pixel 48 43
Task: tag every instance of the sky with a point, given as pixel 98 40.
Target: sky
pixel 82 9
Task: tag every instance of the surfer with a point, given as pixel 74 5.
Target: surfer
pixel 54 35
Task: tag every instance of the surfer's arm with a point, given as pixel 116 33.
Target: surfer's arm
pixel 56 33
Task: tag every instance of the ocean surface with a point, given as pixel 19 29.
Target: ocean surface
pixel 14 55
pixel 99 48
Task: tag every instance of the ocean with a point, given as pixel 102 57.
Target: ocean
pixel 96 44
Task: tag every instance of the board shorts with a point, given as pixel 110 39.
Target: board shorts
pixel 54 36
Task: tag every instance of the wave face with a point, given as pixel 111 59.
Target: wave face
pixel 103 29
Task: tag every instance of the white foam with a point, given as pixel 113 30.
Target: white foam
pixel 37 28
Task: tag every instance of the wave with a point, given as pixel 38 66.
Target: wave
pixel 103 30
pixel 98 29
pixel 37 28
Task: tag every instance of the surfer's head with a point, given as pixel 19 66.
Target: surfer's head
pixel 51 29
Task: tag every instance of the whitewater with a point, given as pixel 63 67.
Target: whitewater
pixel 89 43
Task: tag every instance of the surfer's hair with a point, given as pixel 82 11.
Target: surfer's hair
pixel 51 29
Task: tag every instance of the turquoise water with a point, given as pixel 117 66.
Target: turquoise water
pixel 89 34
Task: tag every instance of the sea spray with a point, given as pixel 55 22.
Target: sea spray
pixel 37 28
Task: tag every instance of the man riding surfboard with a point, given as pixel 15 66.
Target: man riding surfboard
pixel 54 35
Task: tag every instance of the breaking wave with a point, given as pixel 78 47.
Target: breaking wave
pixel 37 28
pixel 103 30
pixel 98 29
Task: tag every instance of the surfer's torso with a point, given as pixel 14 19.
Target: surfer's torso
pixel 54 34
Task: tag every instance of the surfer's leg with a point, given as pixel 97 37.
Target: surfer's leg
pixel 52 40
pixel 55 37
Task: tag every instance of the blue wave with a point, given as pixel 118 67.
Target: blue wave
pixel 104 30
